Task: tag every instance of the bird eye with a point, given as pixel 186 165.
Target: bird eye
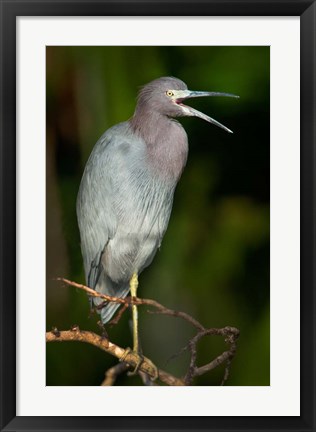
pixel 169 93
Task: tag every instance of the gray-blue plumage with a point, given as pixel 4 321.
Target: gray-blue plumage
pixel 126 192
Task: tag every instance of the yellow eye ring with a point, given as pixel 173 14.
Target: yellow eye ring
pixel 169 93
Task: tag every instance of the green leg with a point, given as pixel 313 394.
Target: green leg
pixel 133 288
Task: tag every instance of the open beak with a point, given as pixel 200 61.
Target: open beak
pixel 180 95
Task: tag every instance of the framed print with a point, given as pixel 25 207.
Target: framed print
pixel 211 249
pixel 217 209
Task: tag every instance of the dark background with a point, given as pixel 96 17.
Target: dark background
pixel 214 259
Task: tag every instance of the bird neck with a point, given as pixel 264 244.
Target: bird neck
pixel 166 142
pixel 149 125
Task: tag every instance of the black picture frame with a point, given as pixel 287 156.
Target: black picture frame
pixel 10 10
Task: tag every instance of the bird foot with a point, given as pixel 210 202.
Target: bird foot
pixel 104 333
pixel 154 368
pixel 139 361
pixel 125 354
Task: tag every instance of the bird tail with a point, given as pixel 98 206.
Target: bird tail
pixel 106 286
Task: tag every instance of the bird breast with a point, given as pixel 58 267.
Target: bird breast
pixel 167 153
pixel 143 192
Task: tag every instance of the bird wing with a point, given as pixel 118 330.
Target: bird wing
pixel 119 210
pixel 100 205
pixel 96 218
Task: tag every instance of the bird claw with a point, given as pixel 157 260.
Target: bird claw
pixel 140 360
pixel 125 354
pixel 155 369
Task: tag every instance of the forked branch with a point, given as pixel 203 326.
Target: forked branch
pixel 75 334
pixel 230 335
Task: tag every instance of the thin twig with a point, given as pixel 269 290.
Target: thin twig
pixel 112 373
pixel 229 333
pixel 119 315
pixel 137 301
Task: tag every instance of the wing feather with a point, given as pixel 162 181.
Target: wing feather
pixel 96 218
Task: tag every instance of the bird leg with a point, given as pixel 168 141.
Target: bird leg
pixel 136 344
pixel 133 284
pixel 133 288
pixel 139 361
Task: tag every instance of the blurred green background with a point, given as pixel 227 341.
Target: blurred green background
pixel 214 259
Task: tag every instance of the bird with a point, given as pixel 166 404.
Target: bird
pixel 126 192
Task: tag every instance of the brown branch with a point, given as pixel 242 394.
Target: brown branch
pixel 92 292
pixel 119 314
pixel 105 345
pixel 138 301
pixel 229 333
pixel 112 373
pixel 147 381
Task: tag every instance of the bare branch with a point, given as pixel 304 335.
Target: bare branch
pixel 119 315
pixel 92 292
pixel 105 345
pixel 112 373
pixel 229 333
pixel 138 301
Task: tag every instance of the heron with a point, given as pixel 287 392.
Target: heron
pixel 126 192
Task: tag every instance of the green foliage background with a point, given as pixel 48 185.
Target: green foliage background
pixel 214 260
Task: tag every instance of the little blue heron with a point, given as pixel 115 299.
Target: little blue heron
pixel 126 192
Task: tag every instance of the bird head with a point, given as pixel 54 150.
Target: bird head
pixel 166 95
